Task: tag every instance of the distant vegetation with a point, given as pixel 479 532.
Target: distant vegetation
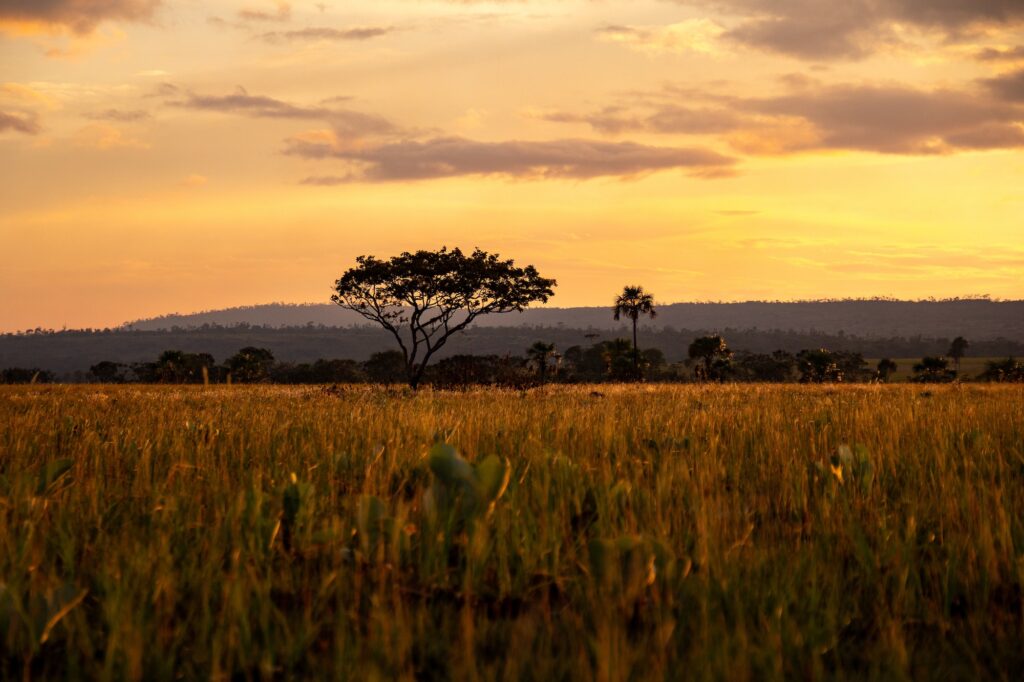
pixel 710 359
pixel 70 354
pixel 435 304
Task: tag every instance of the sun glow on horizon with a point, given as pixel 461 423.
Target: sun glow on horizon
pixel 183 156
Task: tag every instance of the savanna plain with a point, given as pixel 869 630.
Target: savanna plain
pixel 604 532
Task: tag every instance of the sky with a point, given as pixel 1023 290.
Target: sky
pixel 162 156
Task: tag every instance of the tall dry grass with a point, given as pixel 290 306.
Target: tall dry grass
pixel 645 533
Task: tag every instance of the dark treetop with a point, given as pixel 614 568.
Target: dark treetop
pixel 423 298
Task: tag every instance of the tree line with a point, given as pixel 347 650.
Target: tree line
pixel 425 298
pixel 709 360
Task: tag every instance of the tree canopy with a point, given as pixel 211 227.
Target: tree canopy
pixel 423 298
pixel 632 303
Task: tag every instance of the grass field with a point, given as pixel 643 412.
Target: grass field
pixel 748 532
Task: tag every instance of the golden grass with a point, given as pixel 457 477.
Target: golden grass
pixel 646 532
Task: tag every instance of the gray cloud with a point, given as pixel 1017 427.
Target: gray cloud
pixel 351 125
pixel 445 157
pixel 988 136
pixel 667 118
pixel 80 16
pixel 348 125
pixel 890 119
pixel 326 180
pixel 19 122
pixel 896 119
pixel 353 34
pixel 241 102
pixel 379 150
pixel 826 29
pixel 119 115
pixel 281 14
pixel 991 54
pixel 1009 86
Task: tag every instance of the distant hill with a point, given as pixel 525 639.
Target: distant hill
pixel 978 319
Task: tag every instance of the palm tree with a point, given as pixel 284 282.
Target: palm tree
pixel 634 302
pixel 539 353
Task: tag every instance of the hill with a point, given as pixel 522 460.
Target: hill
pixel 979 319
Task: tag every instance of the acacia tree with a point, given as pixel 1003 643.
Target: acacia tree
pixel 424 298
pixel 634 302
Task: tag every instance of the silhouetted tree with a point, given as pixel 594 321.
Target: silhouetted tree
pixel 933 370
pixel 386 367
pixel 174 367
pixel 957 350
pixel 424 298
pixel 540 354
pixel 712 354
pixel 250 365
pixel 487 370
pixel 107 372
pixel 620 363
pixel 775 367
pixel 632 303
pixel 885 369
pixel 26 375
pixel 652 362
pixel 584 364
pixel 818 366
pixel 319 372
pixel 1008 370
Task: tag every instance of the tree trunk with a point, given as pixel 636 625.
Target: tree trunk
pixel 414 376
pixel 636 353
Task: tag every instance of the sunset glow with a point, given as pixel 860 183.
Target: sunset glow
pixel 185 155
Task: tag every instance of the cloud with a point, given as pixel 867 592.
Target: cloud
pixel 326 180
pixel 889 119
pixel 1009 86
pixel 119 115
pixel 19 122
pixel 353 125
pixel 81 16
pixel 445 157
pixel 665 118
pixel 348 34
pixel 345 124
pixel 853 29
pixel 194 180
pixel 283 13
pixel 993 54
pixel 241 102
pixel 692 35
pixel 895 119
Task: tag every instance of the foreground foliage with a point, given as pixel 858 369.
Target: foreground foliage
pixel 623 533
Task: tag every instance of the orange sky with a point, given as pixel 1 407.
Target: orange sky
pixel 185 155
